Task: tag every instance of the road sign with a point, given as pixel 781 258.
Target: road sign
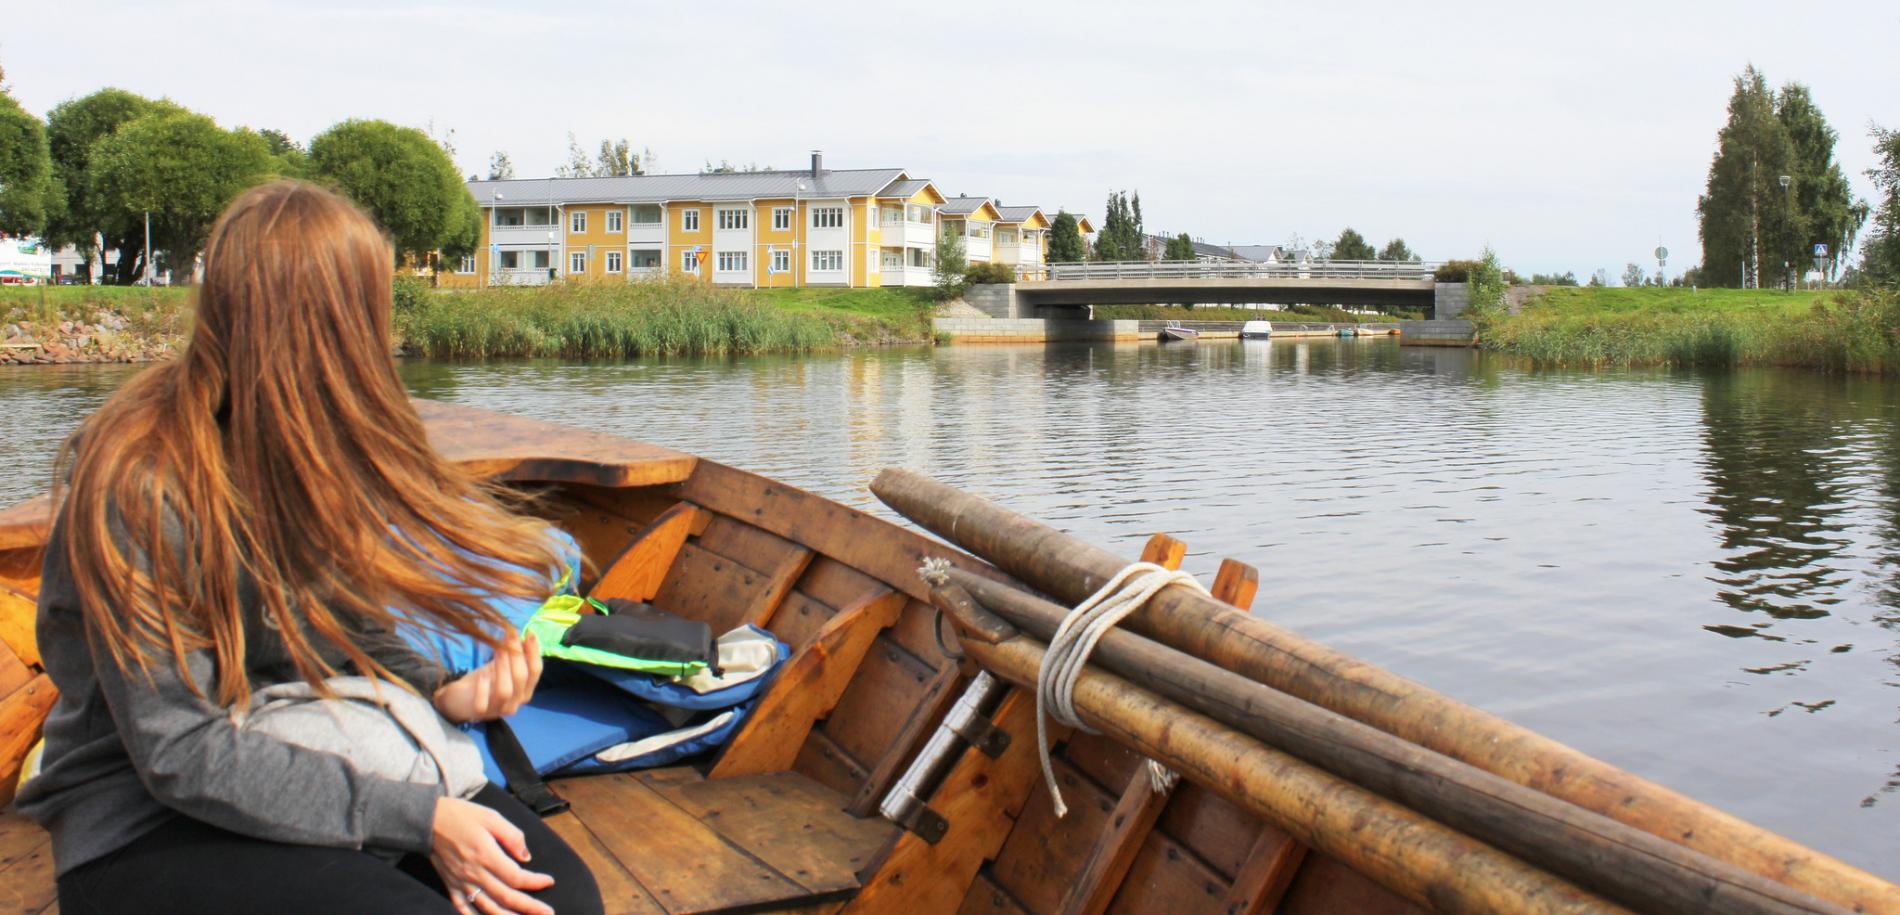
pixel 1662 253
pixel 1820 250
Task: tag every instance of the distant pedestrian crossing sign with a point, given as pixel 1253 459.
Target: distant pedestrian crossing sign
pixel 1820 250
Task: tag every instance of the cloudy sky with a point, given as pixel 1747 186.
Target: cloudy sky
pixel 1569 139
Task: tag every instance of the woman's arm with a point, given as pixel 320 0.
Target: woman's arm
pixel 194 758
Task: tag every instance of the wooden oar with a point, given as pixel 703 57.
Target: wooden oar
pixel 1070 569
pixel 1592 851
pixel 1424 861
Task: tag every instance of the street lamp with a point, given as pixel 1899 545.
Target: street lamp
pixel 1787 209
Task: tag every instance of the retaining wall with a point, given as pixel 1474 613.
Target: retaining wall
pixel 1437 333
pixel 1036 330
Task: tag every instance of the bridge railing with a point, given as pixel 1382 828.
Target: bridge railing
pixel 1212 270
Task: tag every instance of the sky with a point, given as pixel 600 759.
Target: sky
pixel 1570 137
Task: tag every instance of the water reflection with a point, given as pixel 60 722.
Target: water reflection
pixel 1696 577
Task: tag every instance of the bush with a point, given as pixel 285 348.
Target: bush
pixel 1484 283
pixel 989 273
pixel 1454 271
pixel 409 293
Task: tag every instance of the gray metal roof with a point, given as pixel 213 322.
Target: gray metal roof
pixel 905 189
pixel 963 206
pixel 1260 252
pixel 843 182
pixel 1016 214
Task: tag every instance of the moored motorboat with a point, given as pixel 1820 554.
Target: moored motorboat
pixel 1256 330
pixel 892 766
pixel 1174 331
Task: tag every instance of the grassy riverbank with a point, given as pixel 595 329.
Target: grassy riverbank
pixel 1710 328
pixel 1219 313
pixel 582 321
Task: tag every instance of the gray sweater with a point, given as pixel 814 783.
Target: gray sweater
pixel 124 755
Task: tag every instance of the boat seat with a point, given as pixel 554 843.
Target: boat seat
pixel 661 841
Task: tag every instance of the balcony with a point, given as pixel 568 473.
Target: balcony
pixel 525 277
pixel 908 234
pixel 906 276
pixel 523 235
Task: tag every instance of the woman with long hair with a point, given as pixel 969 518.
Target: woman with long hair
pixel 265 510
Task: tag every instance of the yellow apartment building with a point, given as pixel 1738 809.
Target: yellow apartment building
pixel 766 229
pixel 1021 236
pixel 975 219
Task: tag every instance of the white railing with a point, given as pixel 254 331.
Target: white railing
pixel 1213 270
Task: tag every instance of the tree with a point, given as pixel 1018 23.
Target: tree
pixel 1180 248
pixel 27 190
pixel 1351 246
pixel 579 164
pixel 180 167
pixel 1065 239
pixel 1398 251
pixel 465 230
pixel 1632 274
pixel 616 158
pixel 1600 278
pixel 292 159
pixel 400 176
pixel 951 264
pixel 1121 237
pixel 72 128
pixel 500 167
pixel 1750 225
pixel 1566 278
pixel 1141 229
pixel 1880 258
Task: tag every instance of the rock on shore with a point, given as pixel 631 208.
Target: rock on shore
pixel 107 338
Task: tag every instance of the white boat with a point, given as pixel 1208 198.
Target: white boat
pixel 1174 331
pixel 1256 330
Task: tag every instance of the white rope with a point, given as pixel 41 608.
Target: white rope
pixel 1069 652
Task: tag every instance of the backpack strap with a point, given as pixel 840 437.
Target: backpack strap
pixel 523 782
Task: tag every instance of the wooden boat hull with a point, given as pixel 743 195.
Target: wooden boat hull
pixel 785 817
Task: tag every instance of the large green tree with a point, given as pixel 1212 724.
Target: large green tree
pixel 180 167
pixel 1880 257
pixel 1752 226
pixel 26 171
pixel 1397 250
pixel 404 179
pixel 72 129
pixel 1180 248
pixel 1121 237
pixel 1065 239
pixel 1351 246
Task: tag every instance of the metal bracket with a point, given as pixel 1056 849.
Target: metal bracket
pixel 927 824
pixel 982 734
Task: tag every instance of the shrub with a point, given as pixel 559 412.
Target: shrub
pixel 1454 271
pixel 408 292
pixel 989 273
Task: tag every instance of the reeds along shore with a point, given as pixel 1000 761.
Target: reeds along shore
pixel 1832 331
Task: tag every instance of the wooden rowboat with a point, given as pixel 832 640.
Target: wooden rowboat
pixel 882 774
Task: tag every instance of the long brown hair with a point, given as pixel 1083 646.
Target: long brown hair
pixel 281 447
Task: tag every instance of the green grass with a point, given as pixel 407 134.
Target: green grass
pixel 1219 313
pixel 888 315
pixel 1832 331
pixel 153 314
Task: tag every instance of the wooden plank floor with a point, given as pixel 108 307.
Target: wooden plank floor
pixel 662 842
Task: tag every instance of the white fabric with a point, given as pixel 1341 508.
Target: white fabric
pixel 744 654
pixel 1069 652
pixel 645 745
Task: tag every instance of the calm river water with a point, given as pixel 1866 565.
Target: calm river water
pixel 1696 577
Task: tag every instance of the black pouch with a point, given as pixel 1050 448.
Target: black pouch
pixel 636 630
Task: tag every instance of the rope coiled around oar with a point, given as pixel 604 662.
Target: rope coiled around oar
pixel 1069 651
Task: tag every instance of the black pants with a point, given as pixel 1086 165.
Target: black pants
pixel 189 866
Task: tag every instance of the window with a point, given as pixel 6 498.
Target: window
pixel 689 261
pixel 508 216
pixel 466 266
pixel 733 219
pixel 577 262
pixel 577 222
pixel 510 260
pixel 613 221
pixel 919 213
pixel 781 219
pixel 613 261
pixel 646 260
pixel 647 215
pixel 827 260
pixel 539 260
pixel 731 261
pixel 1005 236
pixel 781 261
pixel 893 259
pixel 953 227
pixel 874 222
pixel 870 264
pixel 890 216
pixel 979 230
pixel 689 220
pixel 827 217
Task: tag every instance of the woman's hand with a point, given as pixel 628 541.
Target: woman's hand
pixel 495 689
pixel 475 851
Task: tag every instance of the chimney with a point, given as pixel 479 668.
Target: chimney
pixel 817 162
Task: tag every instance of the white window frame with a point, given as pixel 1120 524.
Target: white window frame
pixel 539 259
pixel 876 222
pixel 612 262
pixel 781 260
pixel 732 219
pixel 782 219
pixel 827 217
pixel 615 222
pixel 466 265
pixel 506 256
pixel 892 258
pixel 689 219
pixel 577 263
pixel 827 255
pixel 689 261
pixel 730 262
pixel 653 209
pixel 577 222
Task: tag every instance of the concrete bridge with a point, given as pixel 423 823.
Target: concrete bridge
pixel 1369 283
